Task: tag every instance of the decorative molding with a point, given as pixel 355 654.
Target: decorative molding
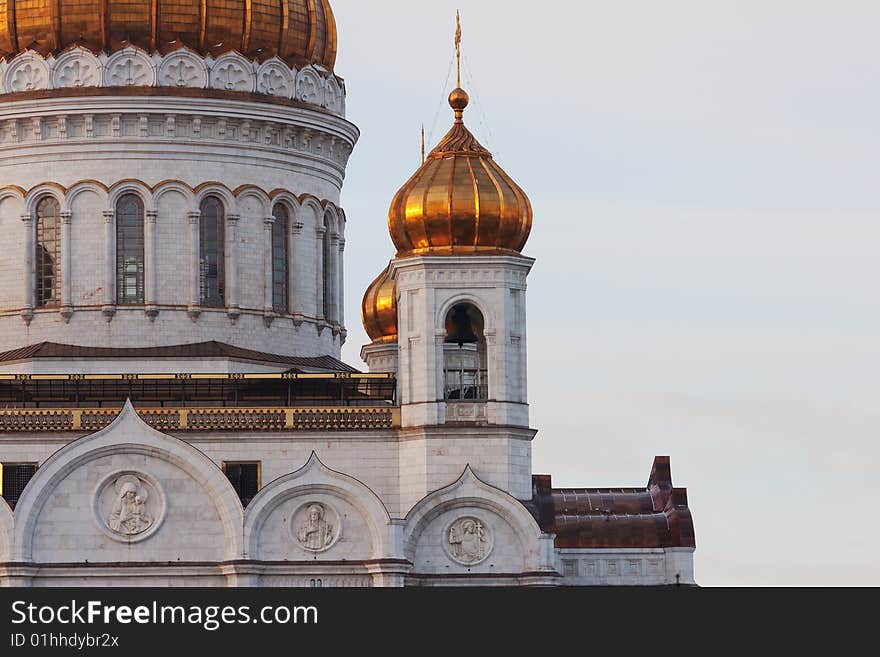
pixel 181 68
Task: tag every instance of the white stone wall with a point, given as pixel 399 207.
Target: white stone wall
pixel 172 151
pixel 626 567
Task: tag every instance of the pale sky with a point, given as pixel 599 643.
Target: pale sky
pixel 705 177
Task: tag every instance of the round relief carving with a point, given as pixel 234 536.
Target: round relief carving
pixel 275 79
pixel 232 72
pixel 183 69
pixel 76 68
pixel 27 72
pixel 130 67
pixel 316 526
pixel 333 96
pixel 468 541
pixel 309 87
pixel 129 506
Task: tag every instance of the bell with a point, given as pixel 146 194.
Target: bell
pixel 459 328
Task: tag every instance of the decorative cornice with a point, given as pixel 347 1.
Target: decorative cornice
pixel 80 72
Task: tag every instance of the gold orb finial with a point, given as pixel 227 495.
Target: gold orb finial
pixel 458 101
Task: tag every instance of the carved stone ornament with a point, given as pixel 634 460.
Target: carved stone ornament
pixel 27 72
pixel 232 72
pixel 316 526
pixel 468 541
pixel 275 78
pixel 333 96
pixel 310 87
pixel 130 67
pixel 76 68
pixel 183 68
pixel 129 506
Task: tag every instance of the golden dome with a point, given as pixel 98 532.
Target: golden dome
pixel 379 309
pixel 298 31
pixel 460 202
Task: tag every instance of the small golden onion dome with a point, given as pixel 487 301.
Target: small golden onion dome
pixel 460 202
pixel 379 309
pixel 298 31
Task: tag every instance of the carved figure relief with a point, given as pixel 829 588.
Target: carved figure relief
pixel 316 527
pixel 468 541
pixel 129 506
pixel 129 515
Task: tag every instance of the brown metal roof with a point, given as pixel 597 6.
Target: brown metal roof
pixel 656 516
pixel 186 351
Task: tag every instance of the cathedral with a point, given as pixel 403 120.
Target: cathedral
pixel 175 411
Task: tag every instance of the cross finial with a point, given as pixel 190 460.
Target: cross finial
pixel 458 45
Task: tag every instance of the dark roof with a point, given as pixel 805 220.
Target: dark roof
pixel 656 516
pixel 185 351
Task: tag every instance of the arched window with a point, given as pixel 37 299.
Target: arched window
pixel 48 253
pixel 212 250
pixel 327 262
pixel 465 356
pixel 280 250
pixel 130 250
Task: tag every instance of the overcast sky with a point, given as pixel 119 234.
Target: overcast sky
pixel 705 178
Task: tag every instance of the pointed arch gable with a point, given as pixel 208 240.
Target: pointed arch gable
pixel 316 477
pixel 471 491
pixel 128 434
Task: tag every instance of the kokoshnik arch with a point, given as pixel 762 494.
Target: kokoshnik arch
pixel 174 406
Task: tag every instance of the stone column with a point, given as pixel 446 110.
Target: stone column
pixel 195 298
pixel 150 274
pixel 331 280
pixel 109 308
pixel 27 306
pixel 66 267
pixel 319 264
pixel 233 305
pixel 340 286
pixel 296 255
pixel 268 296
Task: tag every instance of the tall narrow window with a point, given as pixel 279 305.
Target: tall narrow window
pixel 130 250
pixel 212 250
pixel 280 296
pixel 48 253
pixel 328 264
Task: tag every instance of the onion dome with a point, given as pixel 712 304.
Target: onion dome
pixel 379 309
pixel 460 202
pixel 298 31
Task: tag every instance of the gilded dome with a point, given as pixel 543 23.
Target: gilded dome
pixel 297 31
pixel 460 202
pixel 379 309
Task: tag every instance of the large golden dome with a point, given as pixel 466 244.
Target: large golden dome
pixel 460 202
pixel 298 31
pixel 379 309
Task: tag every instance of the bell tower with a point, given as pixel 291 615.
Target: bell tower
pixel 451 310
